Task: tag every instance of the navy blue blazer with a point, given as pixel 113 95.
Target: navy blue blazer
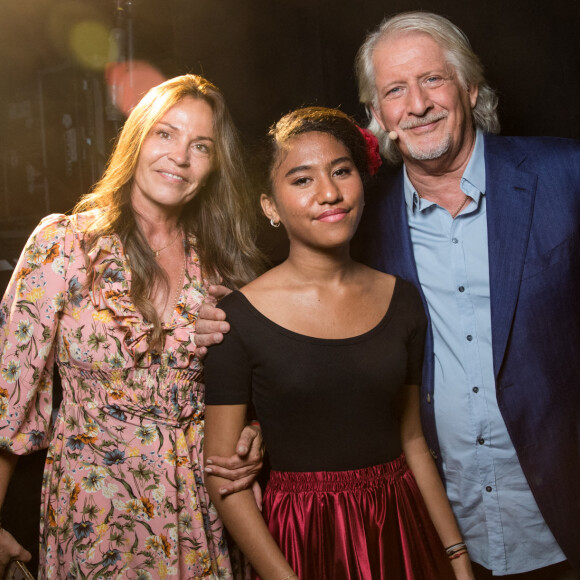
pixel 533 220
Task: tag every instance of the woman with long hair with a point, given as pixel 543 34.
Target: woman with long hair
pixel 330 353
pixel 111 293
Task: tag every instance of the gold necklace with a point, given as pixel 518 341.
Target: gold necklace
pixel 157 252
pixel 180 284
pixel 456 212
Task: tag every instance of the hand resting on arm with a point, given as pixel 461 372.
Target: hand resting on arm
pixel 242 468
pixel 238 511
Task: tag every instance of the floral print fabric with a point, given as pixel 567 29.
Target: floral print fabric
pixel 123 493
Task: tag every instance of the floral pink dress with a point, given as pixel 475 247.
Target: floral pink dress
pixel 123 493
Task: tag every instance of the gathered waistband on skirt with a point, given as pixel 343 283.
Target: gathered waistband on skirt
pixel 354 525
pixel 333 481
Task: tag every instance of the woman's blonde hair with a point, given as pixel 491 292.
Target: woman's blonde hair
pixel 221 216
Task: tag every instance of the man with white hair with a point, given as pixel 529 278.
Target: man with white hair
pixel 487 228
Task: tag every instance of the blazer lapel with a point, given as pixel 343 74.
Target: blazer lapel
pixel 394 251
pixel 510 193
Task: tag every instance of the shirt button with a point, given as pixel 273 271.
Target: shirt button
pixel 488 488
pixel 429 397
pixel 481 440
pixel 461 289
pixel 469 337
pixel 475 389
pixel 433 454
pixel 454 240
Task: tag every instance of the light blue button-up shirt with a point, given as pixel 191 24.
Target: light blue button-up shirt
pixel 498 516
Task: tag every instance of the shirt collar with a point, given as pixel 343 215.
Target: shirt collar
pixel 472 181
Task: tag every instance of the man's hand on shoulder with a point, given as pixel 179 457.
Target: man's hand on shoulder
pixel 211 324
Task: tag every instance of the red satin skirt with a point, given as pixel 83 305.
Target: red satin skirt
pixel 364 524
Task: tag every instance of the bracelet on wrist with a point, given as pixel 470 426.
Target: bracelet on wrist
pixel 456 550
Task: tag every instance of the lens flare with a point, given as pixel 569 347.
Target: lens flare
pixel 129 81
pixel 89 44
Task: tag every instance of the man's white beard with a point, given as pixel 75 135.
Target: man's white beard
pixel 426 152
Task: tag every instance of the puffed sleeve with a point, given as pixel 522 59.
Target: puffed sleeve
pixel 29 318
pixel 227 366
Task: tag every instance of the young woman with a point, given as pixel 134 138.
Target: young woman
pixel 330 353
pixel 111 293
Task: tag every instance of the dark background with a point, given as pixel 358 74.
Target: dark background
pixel 57 123
pixel 268 57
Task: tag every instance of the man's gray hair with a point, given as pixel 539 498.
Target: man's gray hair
pixel 458 54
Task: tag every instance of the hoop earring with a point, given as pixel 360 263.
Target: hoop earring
pixel 274 224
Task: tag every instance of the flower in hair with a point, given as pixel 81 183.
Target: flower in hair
pixel 373 156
